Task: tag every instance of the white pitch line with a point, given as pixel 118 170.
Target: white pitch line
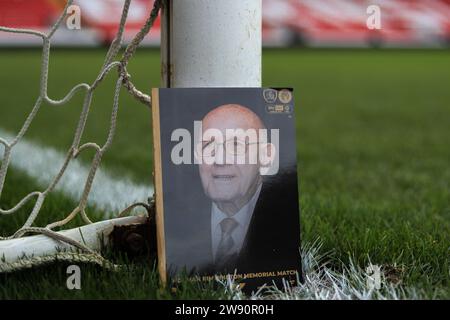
pixel 109 194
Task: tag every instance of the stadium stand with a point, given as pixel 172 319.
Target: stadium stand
pixel 343 23
pixel 410 23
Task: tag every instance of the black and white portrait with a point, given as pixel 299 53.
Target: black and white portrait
pixel 229 182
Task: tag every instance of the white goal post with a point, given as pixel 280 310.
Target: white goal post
pixel 211 43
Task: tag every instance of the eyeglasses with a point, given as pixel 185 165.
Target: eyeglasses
pixel 233 147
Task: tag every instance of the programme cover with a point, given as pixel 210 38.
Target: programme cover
pixel 226 184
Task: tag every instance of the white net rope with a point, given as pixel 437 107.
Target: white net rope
pixel 76 148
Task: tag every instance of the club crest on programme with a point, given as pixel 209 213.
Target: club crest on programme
pixel 270 95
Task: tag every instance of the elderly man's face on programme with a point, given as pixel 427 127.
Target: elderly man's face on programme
pixel 226 181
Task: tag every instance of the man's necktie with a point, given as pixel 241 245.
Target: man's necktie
pixel 225 254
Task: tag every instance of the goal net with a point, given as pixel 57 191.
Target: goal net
pixel 37 198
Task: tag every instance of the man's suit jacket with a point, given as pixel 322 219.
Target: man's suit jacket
pixel 272 240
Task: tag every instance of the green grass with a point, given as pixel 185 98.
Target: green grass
pixel 373 148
